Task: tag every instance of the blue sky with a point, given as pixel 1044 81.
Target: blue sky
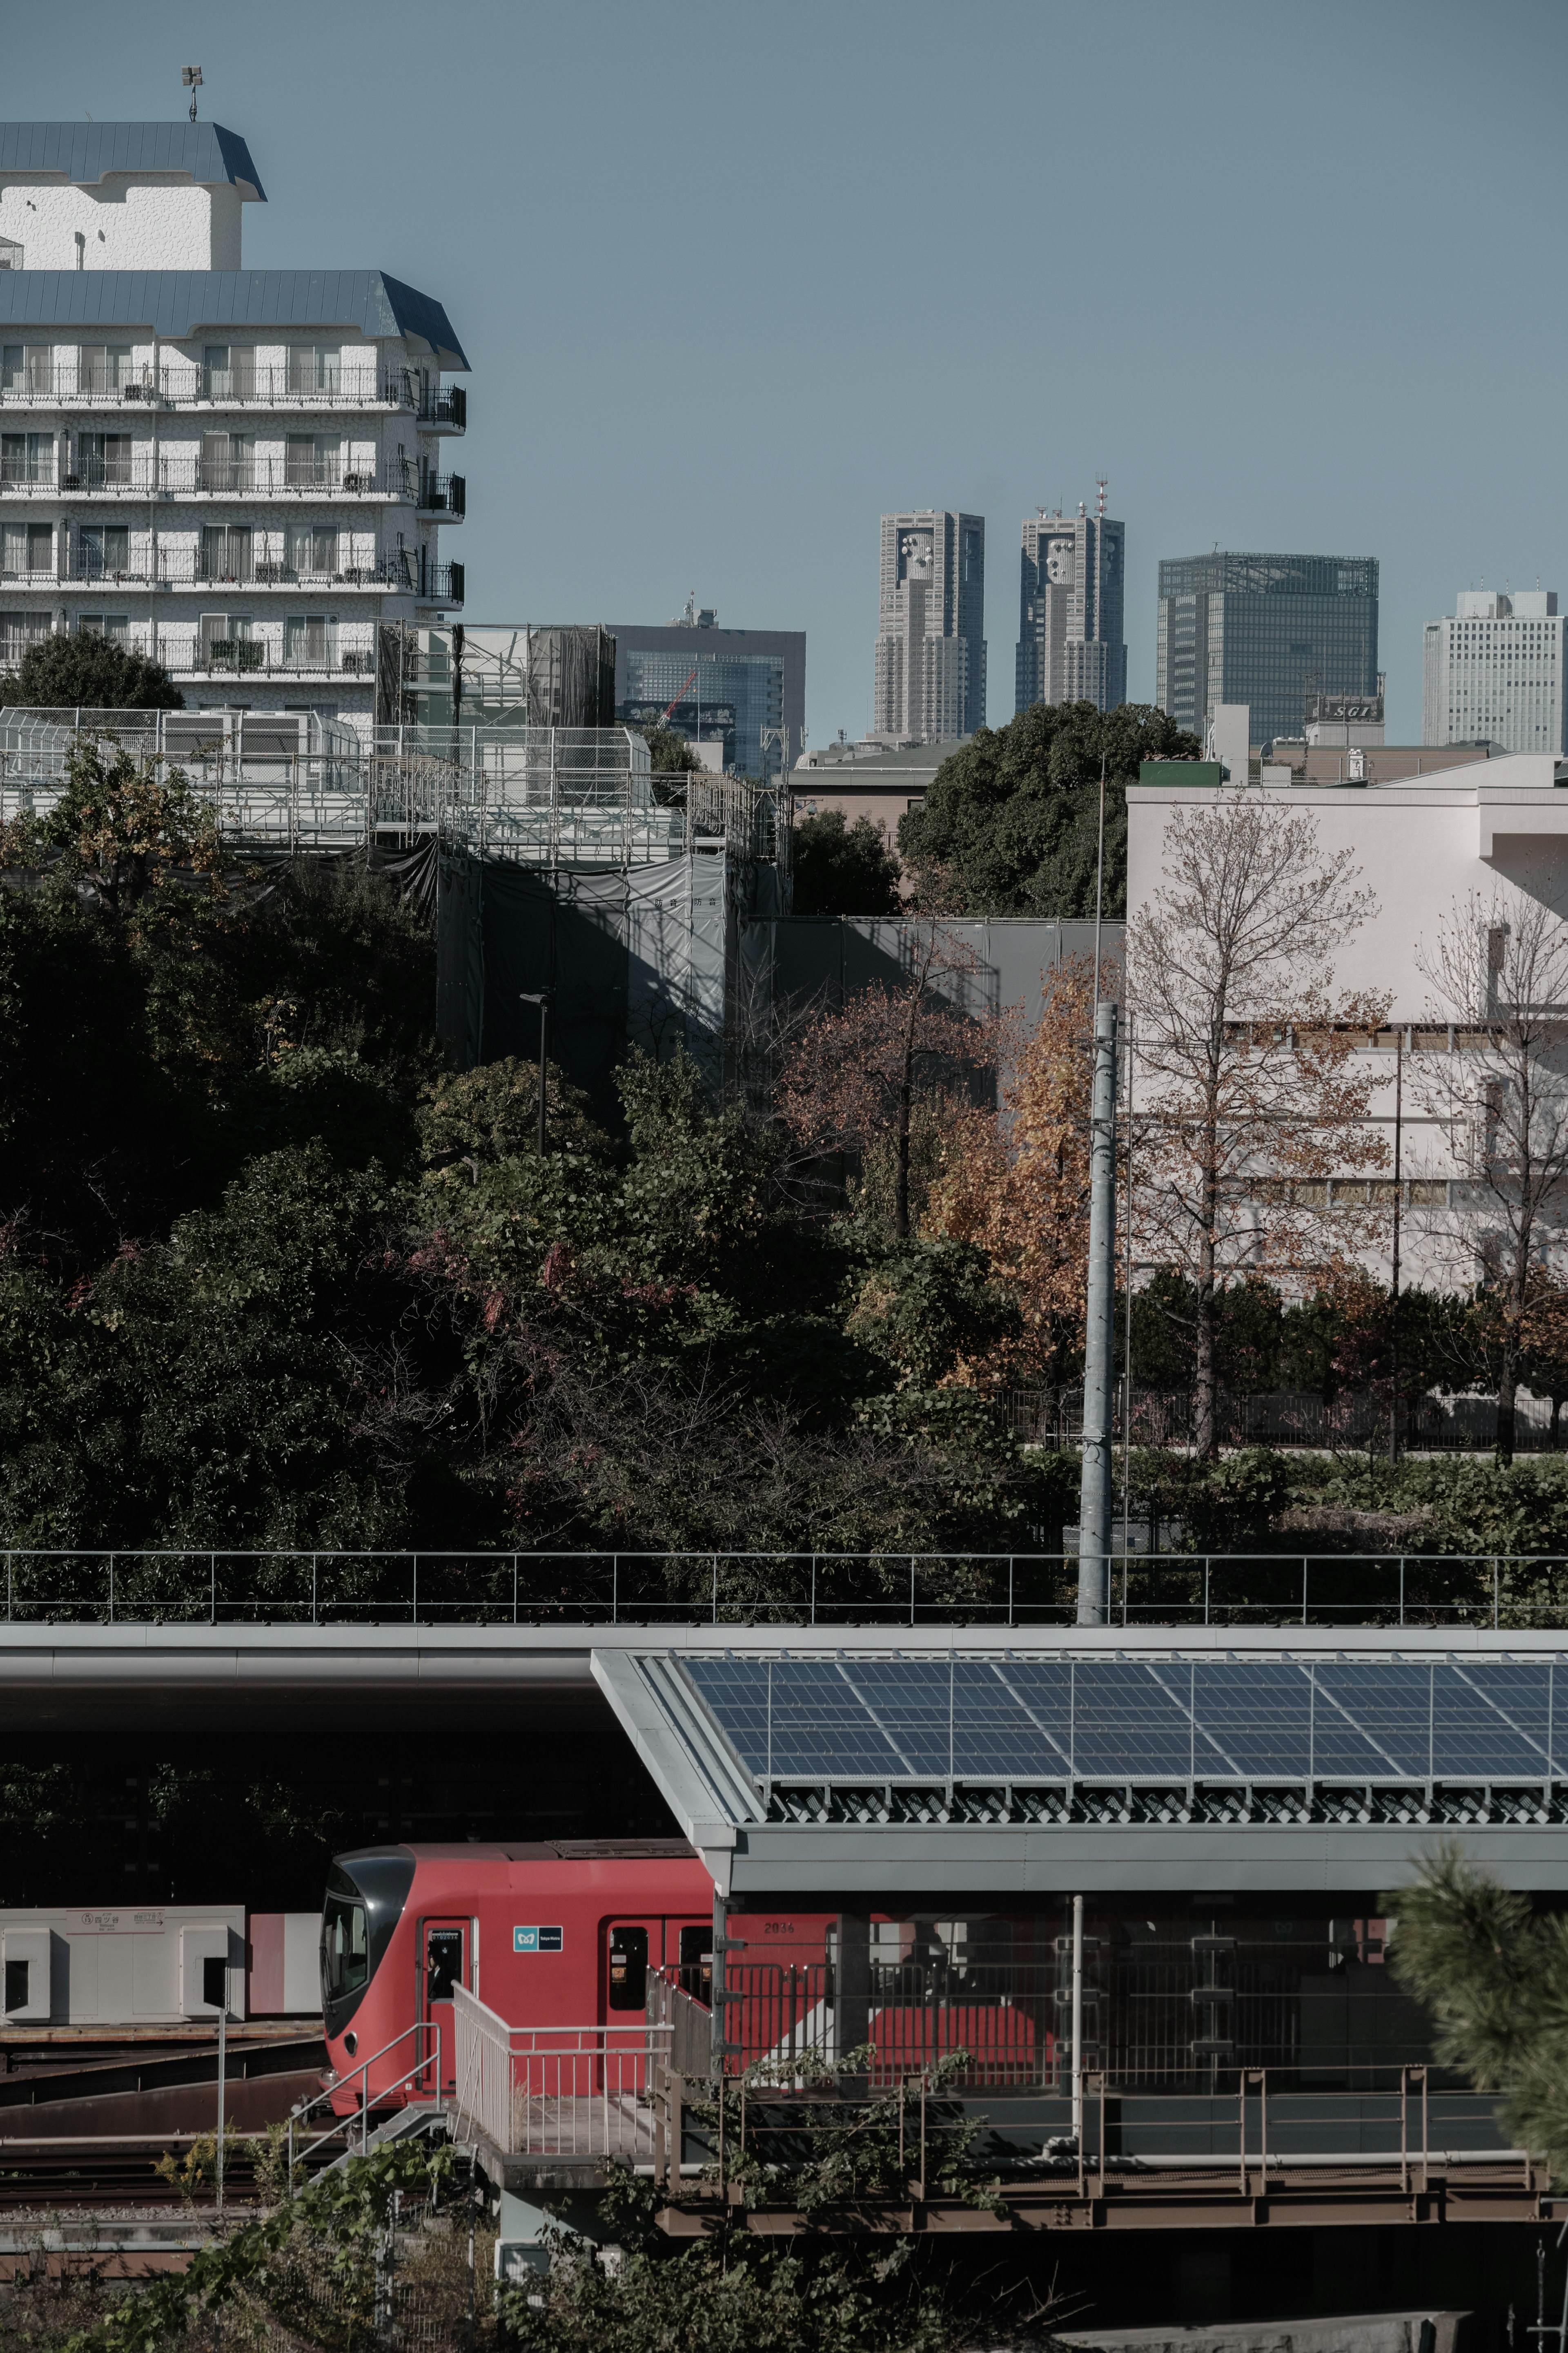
pixel 733 280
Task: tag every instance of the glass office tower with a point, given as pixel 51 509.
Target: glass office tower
pixel 733 687
pixel 1266 631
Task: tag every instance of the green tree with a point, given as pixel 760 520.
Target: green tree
pixel 842 869
pixel 669 754
pixel 1010 826
pixel 90 673
pixel 1494 1974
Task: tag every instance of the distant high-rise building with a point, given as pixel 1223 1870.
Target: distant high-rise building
pixel 931 642
pixel 1070 578
pixel 1266 631
pixel 739 691
pixel 1496 671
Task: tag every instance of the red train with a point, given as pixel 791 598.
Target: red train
pixel 564 1934
pixel 559 1934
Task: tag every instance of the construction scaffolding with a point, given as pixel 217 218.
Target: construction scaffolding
pixel 563 675
pixel 550 798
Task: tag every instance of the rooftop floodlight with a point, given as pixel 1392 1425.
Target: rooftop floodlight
pixel 190 76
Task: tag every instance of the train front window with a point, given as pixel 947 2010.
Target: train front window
pixel 344 1946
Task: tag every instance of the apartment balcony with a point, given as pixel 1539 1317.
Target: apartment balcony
pixel 399 573
pixel 316 652
pixel 45 383
pixel 394 482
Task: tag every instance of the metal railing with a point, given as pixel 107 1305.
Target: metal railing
pixel 555 2091
pixel 182 475
pixel 1258 2139
pixel 42 378
pixel 371 2086
pixel 193 1586
pixel 184 568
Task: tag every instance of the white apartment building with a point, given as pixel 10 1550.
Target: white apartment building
pixel 1496 671
pixel 930 641
pixel 243 473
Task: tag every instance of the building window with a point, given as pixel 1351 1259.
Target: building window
pixel 228 372
pixel 103 551
pixel 27 457
pixel 17 633
pixel 26 367
pixel 103 368
pixel 309 641
pixel 228 642
pixel 115 627
pixel 226 552
pixel 310 461
pixel 27 547
pixel 10 254
pixel 313 549
pixel 314 367
pixel 227 462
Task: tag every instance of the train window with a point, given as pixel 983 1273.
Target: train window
pixel 628 1969
pixel 16 1984
pixel 444 1958
pixel 344 1946
pixel 697 1963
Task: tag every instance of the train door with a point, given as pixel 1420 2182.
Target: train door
pixel 444 1963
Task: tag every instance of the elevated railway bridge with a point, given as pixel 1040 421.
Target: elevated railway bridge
pixel 1137 1874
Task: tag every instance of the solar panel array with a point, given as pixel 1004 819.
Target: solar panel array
pixel 1006 1718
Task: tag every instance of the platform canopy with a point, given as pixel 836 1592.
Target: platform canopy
pixel 1006 1767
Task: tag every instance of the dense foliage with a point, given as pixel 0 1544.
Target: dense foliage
pixel 87 672
pixel 1010 825
pixel 842 869
pixel 271 1274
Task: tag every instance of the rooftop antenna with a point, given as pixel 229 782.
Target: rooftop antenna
pixel 190 76
pixel 1100 483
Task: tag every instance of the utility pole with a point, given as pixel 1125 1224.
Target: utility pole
pixel 1394 1302
pixel 222 2057
pixel 1099 1340
pixel 1099 1337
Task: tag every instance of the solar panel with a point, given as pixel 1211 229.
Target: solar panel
pixel 1007 1718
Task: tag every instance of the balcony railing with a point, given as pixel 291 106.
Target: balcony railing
pixel 191 384
pixel 287 477
pixel 273 652
pixel 443 494
pixel 174 569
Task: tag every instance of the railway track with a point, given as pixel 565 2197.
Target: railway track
pixel 44 2177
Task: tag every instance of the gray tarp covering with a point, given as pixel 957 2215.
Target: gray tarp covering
pixel 680 955
pixel 645 958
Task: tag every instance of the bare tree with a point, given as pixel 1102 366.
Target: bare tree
pixel 1248 1096
pixel 1498 970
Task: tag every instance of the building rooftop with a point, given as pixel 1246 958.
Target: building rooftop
pixel 180 303
pixel 87 153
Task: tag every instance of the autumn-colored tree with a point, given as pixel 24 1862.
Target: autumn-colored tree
pixel 1248 1093
pixel 1019 1187
pixel 1498 968
pixel 856 1080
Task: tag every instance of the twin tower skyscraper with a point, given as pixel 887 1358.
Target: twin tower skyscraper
pixel 930 641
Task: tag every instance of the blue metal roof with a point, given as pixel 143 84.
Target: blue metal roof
pixel 180 302
pixel 84 151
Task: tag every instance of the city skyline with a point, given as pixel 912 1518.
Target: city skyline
pixel 737 411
